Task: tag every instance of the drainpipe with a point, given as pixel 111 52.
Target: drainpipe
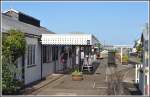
pixel 55 58
pixel 23 69
pixel 68 61
pixel 41 60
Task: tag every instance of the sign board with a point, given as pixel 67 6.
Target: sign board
pixel 88 42
pixel 82 55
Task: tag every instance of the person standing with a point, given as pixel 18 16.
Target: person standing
pixel 65 57
pixel 62 60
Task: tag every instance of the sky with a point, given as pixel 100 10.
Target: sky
pixel 113 23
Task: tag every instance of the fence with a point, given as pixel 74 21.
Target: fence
pixel 137 72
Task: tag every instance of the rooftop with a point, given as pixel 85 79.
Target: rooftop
pixel 11 23
pixel 13 10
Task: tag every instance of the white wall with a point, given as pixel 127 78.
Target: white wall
pixel 33 73
pixel 148 85
pixel 146 67
pixel 48 68
pixel 19 69
pixel 139 77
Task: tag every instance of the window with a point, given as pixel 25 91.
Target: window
pixel 70 52
pixel 31 55
pixel 46 54
pixel 54 53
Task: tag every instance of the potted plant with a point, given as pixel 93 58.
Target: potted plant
pixel 77 75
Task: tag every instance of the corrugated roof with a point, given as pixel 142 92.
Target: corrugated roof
pixel 76 33
pixel 10 23
pixel 84 33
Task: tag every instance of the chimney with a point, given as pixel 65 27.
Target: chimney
pixel 12 13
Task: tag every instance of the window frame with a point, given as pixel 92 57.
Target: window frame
pixel 31 53
pixel 46 54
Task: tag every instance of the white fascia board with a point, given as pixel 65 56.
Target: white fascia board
pixel 11 10
pixel 66 39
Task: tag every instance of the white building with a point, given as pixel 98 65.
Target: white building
pixel 44 48
pixel 137 43
pixel 142 70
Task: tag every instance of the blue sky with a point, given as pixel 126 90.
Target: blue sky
pixel 116 23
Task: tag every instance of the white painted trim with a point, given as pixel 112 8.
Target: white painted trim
pixel 11 10
pixel 67 39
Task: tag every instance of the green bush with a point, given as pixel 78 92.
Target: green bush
pixel 125 58
pixel 10 85
pixel 13 44
pixel 13 47
pixel 76 72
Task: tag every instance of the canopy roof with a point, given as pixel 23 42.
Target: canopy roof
pixel 69 39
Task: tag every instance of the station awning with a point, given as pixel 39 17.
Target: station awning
pixel 68 39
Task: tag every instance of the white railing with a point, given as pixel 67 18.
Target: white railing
pixel 137 72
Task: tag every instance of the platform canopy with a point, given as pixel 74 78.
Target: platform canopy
pixel 68 39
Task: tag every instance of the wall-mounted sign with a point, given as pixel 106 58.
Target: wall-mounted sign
pixel 82 55
pixel 88 42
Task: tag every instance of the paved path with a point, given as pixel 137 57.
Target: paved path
pixel 93 84
pixel 40 84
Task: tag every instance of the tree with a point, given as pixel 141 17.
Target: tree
pixel 14 44
pixel 139 48
pixel 13 47
pixel 99 46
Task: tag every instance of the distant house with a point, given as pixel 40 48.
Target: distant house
pixel 137 43
pixel 108 47
pixel 44 48
pixel 143 71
